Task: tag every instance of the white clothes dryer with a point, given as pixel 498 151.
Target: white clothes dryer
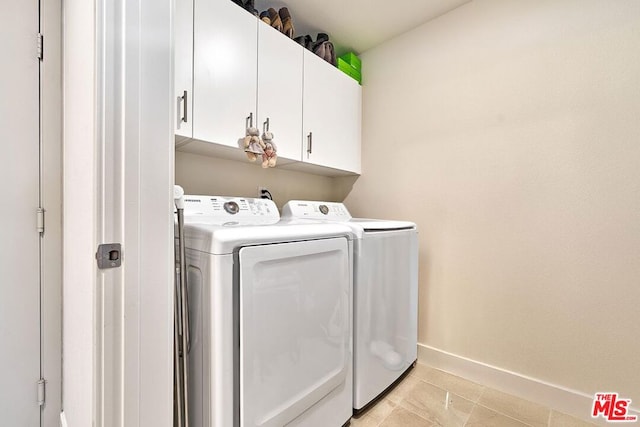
pixel 271 317
pixel 385 296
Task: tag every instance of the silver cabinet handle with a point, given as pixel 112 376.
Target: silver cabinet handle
pixel 249 121
pixel 310 144
pixel 186 104
pixel 182 100
pixel 265 126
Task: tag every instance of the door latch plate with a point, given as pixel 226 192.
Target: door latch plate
pixel 109 255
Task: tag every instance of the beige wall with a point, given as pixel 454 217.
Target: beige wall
pixel 213 176
pixel 510 132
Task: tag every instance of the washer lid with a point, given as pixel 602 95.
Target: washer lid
pixel 372 225
pixel 337 212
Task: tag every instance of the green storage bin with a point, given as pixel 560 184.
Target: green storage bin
pixel 352 60
pixel 346 68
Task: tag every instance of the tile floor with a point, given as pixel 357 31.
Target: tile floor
pixel 429 397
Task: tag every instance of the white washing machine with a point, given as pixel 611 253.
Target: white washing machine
pixel 271 317
pixel 385 296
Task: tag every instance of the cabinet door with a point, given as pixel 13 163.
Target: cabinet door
pixel 280 89
pixel 184 67
pixel 332 116
pixel 225 71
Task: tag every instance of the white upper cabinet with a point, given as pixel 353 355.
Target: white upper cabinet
pixel 225 71
pixel 280 90
pixel 332 116
pixel 237 71
pixel 183 50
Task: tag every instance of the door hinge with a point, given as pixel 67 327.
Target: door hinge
pixel 41 391
pixel 40 46
pixel 40 220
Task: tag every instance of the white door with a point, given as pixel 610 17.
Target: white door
pixel 294 328
pixel 332 116
pixel 280 90
pixel 183 51
pixel 224 71
pixel 19 237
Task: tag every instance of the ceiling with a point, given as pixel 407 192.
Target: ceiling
pixel 359 25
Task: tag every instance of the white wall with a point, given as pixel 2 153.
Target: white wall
pixel 510 132
pixel 146 200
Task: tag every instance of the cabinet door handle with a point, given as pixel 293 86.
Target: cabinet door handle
pixel 249 121
pixel 182 100
pixel 265 126
pixel 186 106
pixel 310 144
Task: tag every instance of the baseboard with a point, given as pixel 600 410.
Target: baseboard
pixel 562 399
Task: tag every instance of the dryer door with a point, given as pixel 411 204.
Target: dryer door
pixel 295 321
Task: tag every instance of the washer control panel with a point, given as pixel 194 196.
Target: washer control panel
pixel 230 210
pixel 330 211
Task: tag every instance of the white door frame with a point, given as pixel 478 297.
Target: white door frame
pixel 118 187
pixel 80 213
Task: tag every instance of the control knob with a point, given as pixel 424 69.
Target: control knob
pixel 231 207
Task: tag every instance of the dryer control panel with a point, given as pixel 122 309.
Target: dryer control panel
pixel 330 211
pixel 230 210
